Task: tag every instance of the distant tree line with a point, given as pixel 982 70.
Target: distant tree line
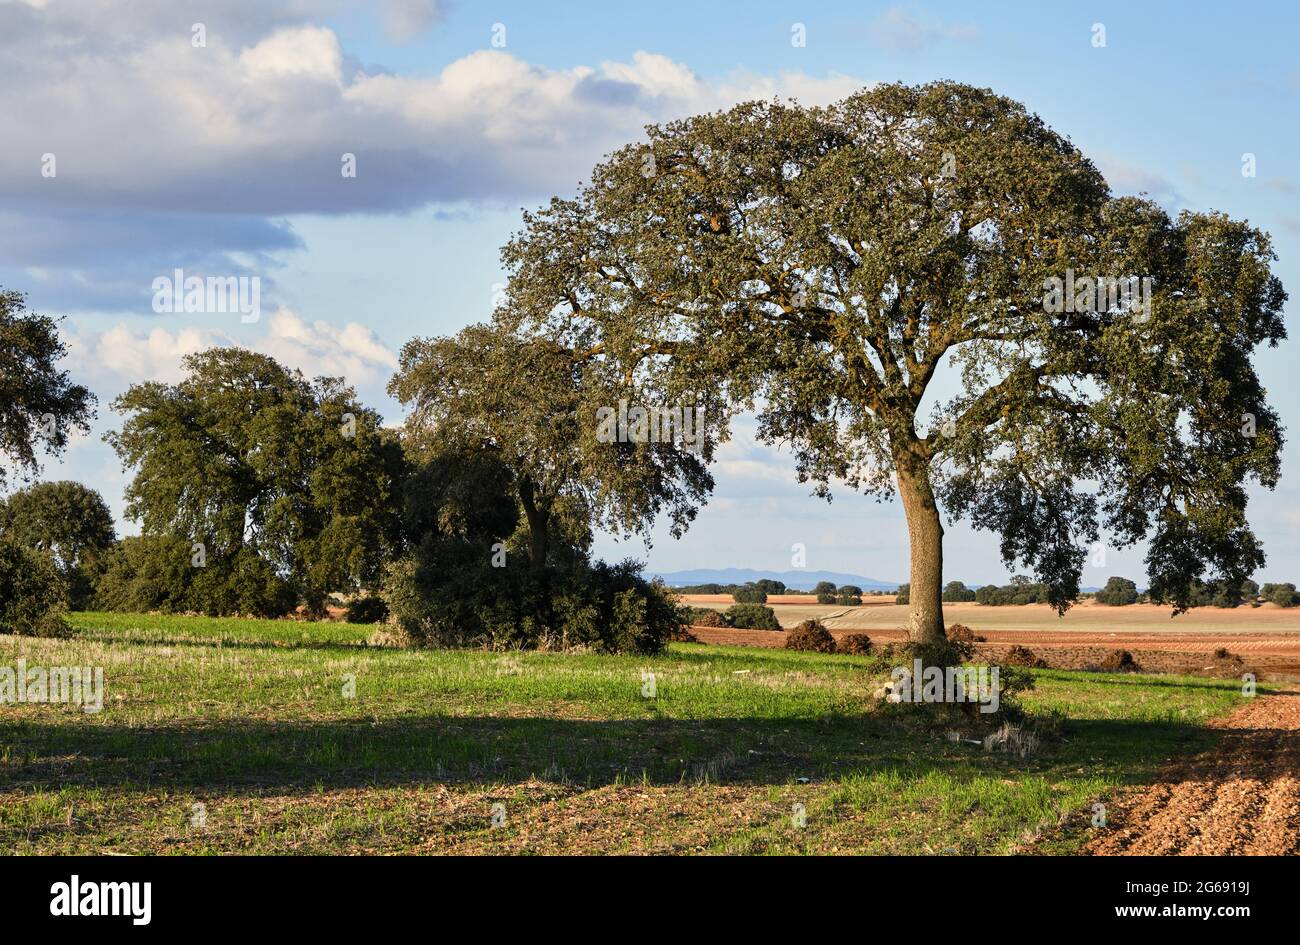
pixel 1118 592
pixel 848 595
pixel 757 592
pixel 749 592
pixel 741 616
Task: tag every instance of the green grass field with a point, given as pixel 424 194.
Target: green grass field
pixel 249 720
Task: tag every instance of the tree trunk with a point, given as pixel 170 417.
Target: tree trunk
pixel 315 603
pixel 925 531
pixel 538 525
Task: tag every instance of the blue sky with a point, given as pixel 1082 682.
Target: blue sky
pixel 224 158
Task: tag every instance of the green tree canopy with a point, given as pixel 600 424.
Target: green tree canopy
pixel 532 406
pixel 246 456
pixel 1118 592
pixel 957 592
pixel 68 521
pixel 39 405
pixel 823 265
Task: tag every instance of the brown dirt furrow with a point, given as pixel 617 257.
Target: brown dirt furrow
pixel 1178 824
pixel 1228 826
pixel 1243 796
pixel 1269 660
pixel 1279 820
pixel 1141 809
pixel 1279 817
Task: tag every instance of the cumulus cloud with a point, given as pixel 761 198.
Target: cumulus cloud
pixel 109 361
pixel 162 153
pixel 262 127
pixel 319 348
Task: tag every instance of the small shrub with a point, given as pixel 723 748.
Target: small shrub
pixel 146 573
pixel 960 633
pixel 1119 661
pixel 944 653
pixel 811 636
pixel 752 617
pixel 858 644
pixel 704 617
pixel 32 592
pixel 1023 656
pixel 585 606
pixel 366 610
pixel 1012 681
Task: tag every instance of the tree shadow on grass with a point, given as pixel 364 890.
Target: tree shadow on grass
pixel 257 755
pixel 1144 680
pixel 221 643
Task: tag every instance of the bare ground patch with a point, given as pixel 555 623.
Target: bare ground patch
pixel 1242 797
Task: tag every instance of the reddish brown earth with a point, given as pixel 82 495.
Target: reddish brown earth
pixel 1242 797
pixel 1273 655
pixel 868 600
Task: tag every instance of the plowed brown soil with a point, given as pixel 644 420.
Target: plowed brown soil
pixel 1273 655
pixel 1242 797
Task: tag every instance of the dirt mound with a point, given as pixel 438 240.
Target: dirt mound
pixel 812 636
pixel 1119 661
pixel 1024 656
pixel 960 633
pixel 858 644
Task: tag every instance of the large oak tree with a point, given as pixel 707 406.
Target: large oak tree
pixel 825 266
pixel 39 405
pixel 244 455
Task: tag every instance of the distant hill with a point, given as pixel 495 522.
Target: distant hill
pixel 799 580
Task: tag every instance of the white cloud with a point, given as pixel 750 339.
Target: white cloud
pixel 261 127
pixel 214 146
pixel 904 32
pixel 311 52
pixel 319 348
pixel 112 360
